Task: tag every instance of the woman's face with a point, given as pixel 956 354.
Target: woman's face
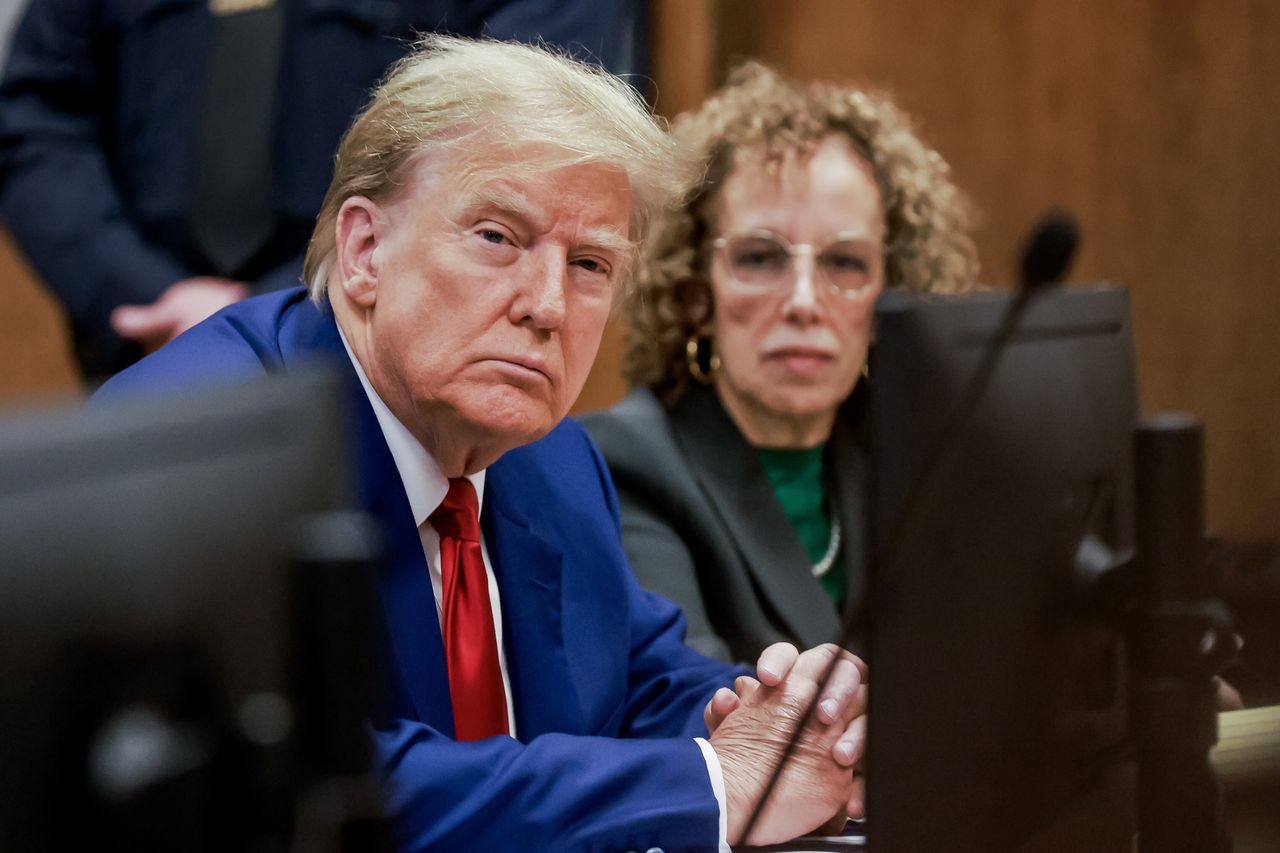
pixel 791 346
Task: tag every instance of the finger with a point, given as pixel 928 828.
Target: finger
pixel 858 706
pixel 141 321
pixel 708 715
pixel 839 697
pixel 745 687
pixel 857 805
pixel 722 704
pixel 775 663
pixel 847 750
pixel 812 663
pixel 863 669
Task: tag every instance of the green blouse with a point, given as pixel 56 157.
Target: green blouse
pixel 796 476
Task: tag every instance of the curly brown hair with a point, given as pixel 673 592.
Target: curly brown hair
pixel 927 218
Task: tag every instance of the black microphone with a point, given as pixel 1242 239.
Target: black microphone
pixel 1046 256
pixel 1048 250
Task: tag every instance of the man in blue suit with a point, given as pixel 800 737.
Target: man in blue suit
pixel 486 209
pixel 112 112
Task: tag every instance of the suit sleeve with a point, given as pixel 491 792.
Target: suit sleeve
pixel 210 355
pixel 558 792
pixel 57 193
pixel 647 788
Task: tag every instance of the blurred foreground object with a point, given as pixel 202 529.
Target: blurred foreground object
pixel 186 621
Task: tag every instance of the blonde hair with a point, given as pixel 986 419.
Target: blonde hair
pixel 761 114
pixel 490 102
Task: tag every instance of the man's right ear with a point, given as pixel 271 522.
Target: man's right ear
pixel 357 232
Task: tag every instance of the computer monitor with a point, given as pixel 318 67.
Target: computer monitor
pixel 995 696
pixel 162 638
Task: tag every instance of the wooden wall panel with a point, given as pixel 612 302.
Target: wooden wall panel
pixel 35 360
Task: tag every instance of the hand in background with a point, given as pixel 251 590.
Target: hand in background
pixel 750 728
pixel 181 306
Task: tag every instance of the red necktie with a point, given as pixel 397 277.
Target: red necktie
pixel 470 644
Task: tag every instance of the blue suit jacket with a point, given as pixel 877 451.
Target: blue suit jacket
pixel 607 697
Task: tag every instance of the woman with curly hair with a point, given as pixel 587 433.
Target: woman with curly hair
pixel 737 456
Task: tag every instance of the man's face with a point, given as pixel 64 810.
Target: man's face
pixel 489 299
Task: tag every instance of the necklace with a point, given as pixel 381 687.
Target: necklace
pixel 828 560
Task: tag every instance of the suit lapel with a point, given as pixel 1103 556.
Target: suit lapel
pixel 527 567
pixel 528 570
pixel 404 581
pixel 850 490
pixel 738 489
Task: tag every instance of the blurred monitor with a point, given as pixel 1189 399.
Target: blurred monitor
pixel 996 699
pixel 160 670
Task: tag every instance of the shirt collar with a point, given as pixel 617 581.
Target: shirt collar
pixel 424 483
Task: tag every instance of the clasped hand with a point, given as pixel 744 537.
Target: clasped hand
pixel 751 725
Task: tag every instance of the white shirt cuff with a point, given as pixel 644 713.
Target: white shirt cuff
pixel 717 788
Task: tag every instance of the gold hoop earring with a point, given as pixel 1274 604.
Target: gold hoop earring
pixel 692 357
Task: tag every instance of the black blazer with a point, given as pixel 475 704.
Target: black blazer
pixel 703 527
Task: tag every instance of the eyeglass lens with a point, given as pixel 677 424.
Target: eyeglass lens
pixel 764 262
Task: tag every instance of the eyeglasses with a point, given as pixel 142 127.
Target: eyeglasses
pixel 764 262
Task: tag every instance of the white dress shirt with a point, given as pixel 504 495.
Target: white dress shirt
pixel 425 486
